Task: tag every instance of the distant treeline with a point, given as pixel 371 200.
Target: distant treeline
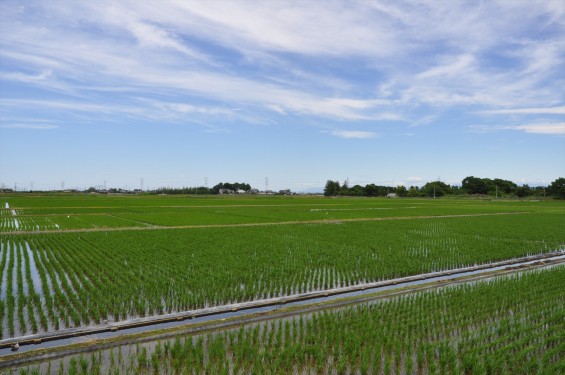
pixel 183 190
pixel 221 188
pixel 224 186
pixel 469 186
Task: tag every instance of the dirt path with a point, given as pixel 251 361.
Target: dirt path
pixel 293 222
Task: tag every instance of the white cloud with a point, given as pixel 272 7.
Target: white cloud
pixel 22 77
pixel 160 48
pixel 424 120
pixel 526 111
pixel 536 128
pixel 459 66
pixel 548 128
pixel 276 108
pixel 71 106
pixel 541 57
pixel 353 134
pixel 29 126
pixel 340 29
pixel 185 108
pixel 149 35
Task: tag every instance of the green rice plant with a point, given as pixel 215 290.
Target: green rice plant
pixel 284 345
pixel 90 277
pixel 10 299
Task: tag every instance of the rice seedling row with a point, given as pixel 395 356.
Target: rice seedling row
pixel 22 223
pixel 508 325
pixel 35 214
pixel 77 279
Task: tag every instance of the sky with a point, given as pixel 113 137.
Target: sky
pixel 280 94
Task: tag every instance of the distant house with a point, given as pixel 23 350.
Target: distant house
pixel 391 195
pixel 226 191
pixel 241 191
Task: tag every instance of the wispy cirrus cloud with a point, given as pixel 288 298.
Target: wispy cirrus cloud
pixel 536 128
pixel 547 128
pixel 353 134
pixel 270 55
pixel 362 70
pixel 526 111
pixel 27 78
pixel 29 126
pixel 141 108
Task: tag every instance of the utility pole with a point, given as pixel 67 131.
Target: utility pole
pixel 496 191
pixel 266 184
pixel 141 184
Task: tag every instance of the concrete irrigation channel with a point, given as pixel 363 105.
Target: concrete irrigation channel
pixel 240 311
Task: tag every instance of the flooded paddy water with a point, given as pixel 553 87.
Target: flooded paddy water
pixel 126 354
pixel 33 268
pixel 219 313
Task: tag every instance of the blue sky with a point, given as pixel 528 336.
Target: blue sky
pixel 299 92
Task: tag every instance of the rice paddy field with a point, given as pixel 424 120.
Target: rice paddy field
pixel 80 260
pixel 509 325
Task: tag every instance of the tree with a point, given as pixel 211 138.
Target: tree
pixel 371 190
pixel 436 189
pixel 401 191
pixel 474 185
pixel 344 190
pixel 231 186
pixel 457 190
pixel 332 188
pixel 503 186
pixel 539 191
pixel 557 188
pixel 413 192
pixel 523 191
pixel 357 190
